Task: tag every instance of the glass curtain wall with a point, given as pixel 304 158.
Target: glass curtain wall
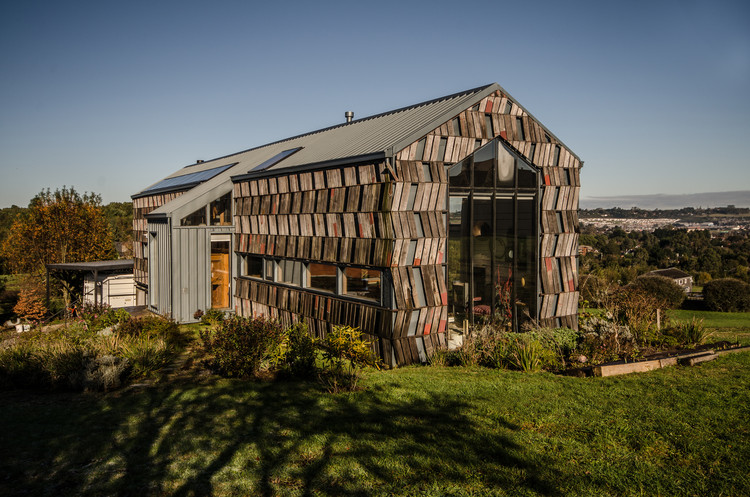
pixel 493 238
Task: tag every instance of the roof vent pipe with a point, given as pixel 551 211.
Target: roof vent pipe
pixel 349 116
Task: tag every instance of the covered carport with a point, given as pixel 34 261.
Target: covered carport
pixel 95 269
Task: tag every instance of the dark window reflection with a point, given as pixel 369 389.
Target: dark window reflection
pixel 493 239
pixel 484 167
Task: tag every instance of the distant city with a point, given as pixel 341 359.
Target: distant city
pixel 716 219
pixel 663 201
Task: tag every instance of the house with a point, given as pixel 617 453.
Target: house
pixel 410 225
pixel 678 276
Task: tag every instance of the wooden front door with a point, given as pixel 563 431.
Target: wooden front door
pixel 220 275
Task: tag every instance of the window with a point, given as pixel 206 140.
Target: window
pixel 253 266
pixel 362 283
pixel 508 107
pixel 221 211
pixel 488 125
pixel 291 272
pixel 322 277
pixel 197 218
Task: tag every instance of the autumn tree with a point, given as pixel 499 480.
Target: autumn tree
pixel 58 227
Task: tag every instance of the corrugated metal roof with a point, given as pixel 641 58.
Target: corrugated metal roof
pixel 385 132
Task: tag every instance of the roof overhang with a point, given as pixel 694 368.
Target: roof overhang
pixel 344 161
pixel 98 266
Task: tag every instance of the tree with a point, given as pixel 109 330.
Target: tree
pixel 669 294
pixel 727 295
pixel 58 227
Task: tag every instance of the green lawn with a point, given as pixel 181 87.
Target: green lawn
pixel 732 326
pixel 414 431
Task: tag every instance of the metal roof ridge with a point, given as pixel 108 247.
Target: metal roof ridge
pixel 364 119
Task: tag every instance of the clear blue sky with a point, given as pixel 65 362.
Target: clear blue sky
pixel 109 97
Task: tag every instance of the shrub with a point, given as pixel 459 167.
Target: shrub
pixel 212 317
pixel 727 295
pixel 495 347
pixel 99 316
pixel 298 351
pixel 687 333
pixel 664 289
pixel 345 353
pixel 636 309
pixel 30 305
pixel 21 367
pixel 241 346
pixel 152 326
pixel 604 340
pixel 146 354
pixel 77 358
pixel 596 291
pixel 526 354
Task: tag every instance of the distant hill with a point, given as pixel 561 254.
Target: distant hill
pixel 664 201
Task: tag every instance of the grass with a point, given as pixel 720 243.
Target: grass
pixel 731 326
pixel 413 431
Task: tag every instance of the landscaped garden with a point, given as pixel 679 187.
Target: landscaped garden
pixel 246 407
pixel 410 431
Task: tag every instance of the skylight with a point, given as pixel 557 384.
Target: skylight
pixel 275 159
pixel 187 180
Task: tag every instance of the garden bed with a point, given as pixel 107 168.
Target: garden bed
pixel 658 360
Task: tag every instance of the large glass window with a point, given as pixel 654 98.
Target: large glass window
pixel 197 218
pixel 493 232
pixel 322 277
pixel 361 283
pixel 221 211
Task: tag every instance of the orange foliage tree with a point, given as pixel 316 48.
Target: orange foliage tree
pixel 58 227
pixel 30 305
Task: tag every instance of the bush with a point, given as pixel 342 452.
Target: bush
pixel 604 340
pixel 596 291
pixel 727 295
pixel 77 358
pixel 212 317
pixel 345 353
pixel 636 308
pixel 298 351
pixel 494 347
pixel 664 289
pixel 241 347
pixel 688 333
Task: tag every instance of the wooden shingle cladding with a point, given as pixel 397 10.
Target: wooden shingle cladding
pixel 141 207
pixel 498 115
pixel 391 216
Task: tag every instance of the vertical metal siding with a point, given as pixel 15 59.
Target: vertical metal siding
pixel 163 269
pixel 192 270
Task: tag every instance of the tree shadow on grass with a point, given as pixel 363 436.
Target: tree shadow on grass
pixel 279 438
